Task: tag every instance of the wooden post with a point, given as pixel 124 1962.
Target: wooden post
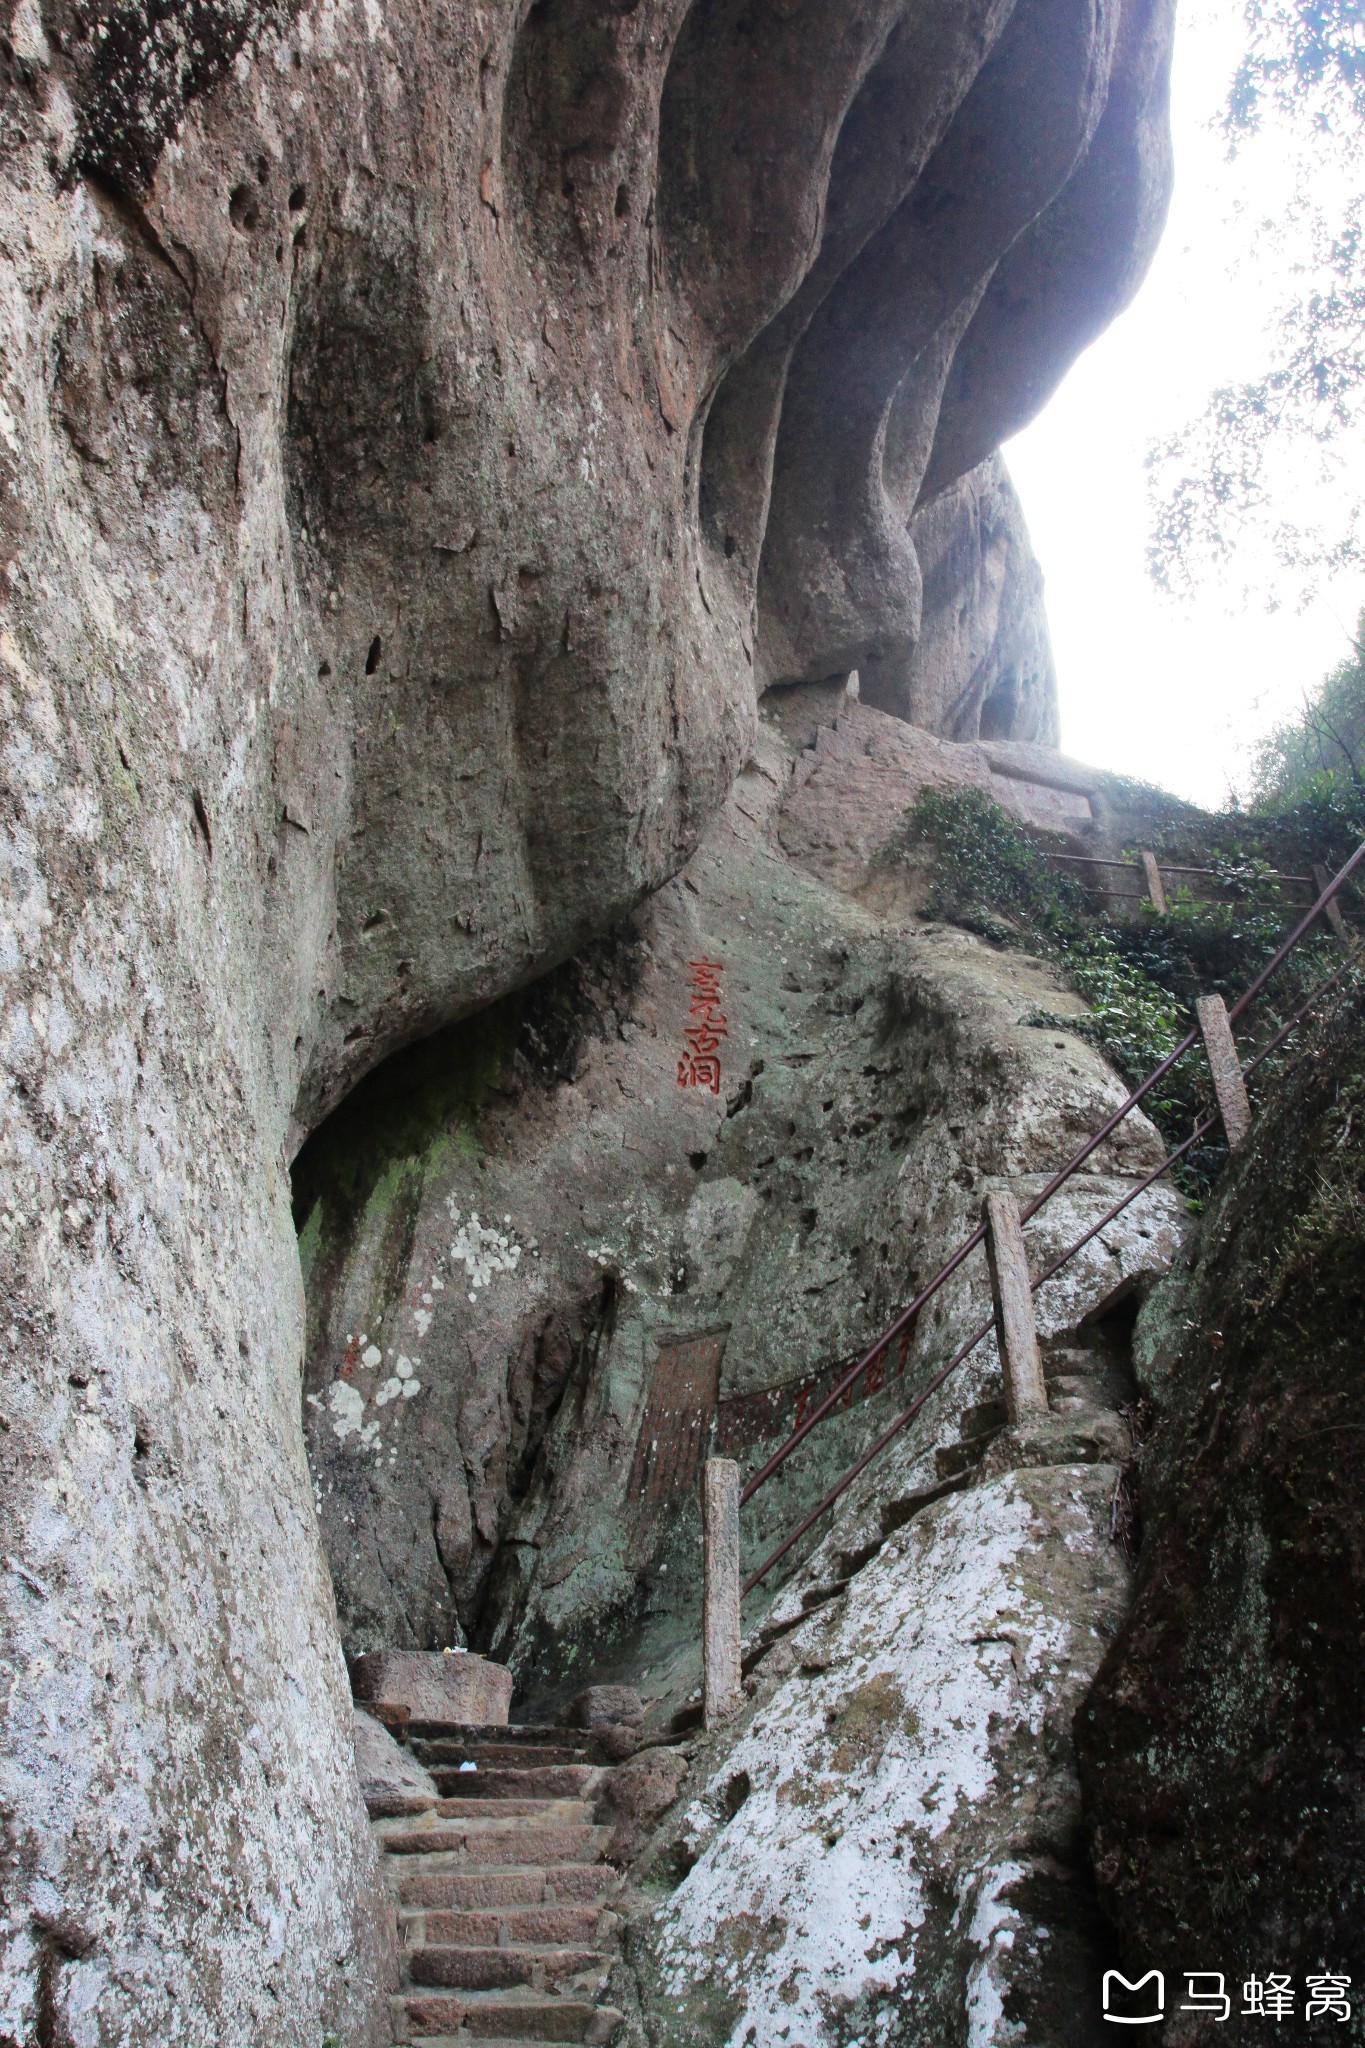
pixel 1156 888
pixel 1025 1393
pixel 720 1611
pixel 1333 911
pixel 1220 1048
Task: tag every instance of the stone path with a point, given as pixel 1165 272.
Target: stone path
pixel 1090 1390
pixel 505 1926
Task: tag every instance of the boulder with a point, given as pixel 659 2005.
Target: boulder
pixel 606 1706
pixel 391 1781
pixel 638 1794
pixel 434 1685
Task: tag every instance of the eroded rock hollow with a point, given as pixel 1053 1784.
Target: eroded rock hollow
pixel 424 435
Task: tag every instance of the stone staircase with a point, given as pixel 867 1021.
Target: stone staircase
pixel 1091 1395
pixel 504 1917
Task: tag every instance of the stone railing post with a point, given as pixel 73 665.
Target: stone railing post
pixel 720 1640
pixel 1156 888
pixel 1220 1048
pixel 1025 1392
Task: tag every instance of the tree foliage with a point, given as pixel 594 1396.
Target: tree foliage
pixel 1216 480
pixel 1320 752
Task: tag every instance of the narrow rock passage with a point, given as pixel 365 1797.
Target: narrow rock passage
pixel 505 1926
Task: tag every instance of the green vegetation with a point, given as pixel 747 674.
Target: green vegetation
pixel 1318 758
pixel 1140 972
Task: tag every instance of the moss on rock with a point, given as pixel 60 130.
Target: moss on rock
pixel 1221 1750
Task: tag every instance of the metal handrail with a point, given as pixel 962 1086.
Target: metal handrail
pixel 964 1352
pixel 950 1266
pixel 1170 867
pixel 1064 1174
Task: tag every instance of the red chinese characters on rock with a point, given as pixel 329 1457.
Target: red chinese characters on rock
pixel 699 1066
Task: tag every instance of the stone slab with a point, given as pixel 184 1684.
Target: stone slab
pixel 434 1685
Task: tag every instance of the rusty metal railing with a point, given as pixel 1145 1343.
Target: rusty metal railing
pixel 905 1321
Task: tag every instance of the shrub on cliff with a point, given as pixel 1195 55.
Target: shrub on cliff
pixel 1140 975
pixel 1317 758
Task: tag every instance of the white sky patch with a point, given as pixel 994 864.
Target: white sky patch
pixel 1176 691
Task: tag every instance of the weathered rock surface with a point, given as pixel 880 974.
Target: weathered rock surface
pixel 594 1273
pixel 638 1794
pixel 981 666
pixel 606 1706
pixel 389 400
pixel 392 1782
pixel 1221 1746
pixel 893 1846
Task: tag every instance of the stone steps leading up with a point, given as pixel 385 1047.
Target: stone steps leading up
pixel 441 1752
pixel 543 1967
pixel 488 1804
pixel 501 1892
pixel 518 1842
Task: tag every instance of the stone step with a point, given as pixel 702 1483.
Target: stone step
pixel 502 1816
pixel 514 1844
pixel 460 2040
pixel 481 1890
pixel 443 1752
pixel 513 1734
pixel 498 1969
pixel 952 1459
pixel 501 2016
pixel 552 1925
pixel 440 1752
pixel 981 1417
pixel 492 1806
pixel 544 1781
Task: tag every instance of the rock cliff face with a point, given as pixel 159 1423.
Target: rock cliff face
pixel 1221 1748
pixel 418 431
pixel 540 1268
pixel 982 664
pixel 542 1288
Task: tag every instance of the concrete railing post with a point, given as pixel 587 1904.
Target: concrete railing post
pixel 1220 1048
pixel 1333 912
pixel 1025 1392
pixel 720 1600
pixel 1156 888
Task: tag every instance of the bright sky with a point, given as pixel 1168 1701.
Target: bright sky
pixel 1171 690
